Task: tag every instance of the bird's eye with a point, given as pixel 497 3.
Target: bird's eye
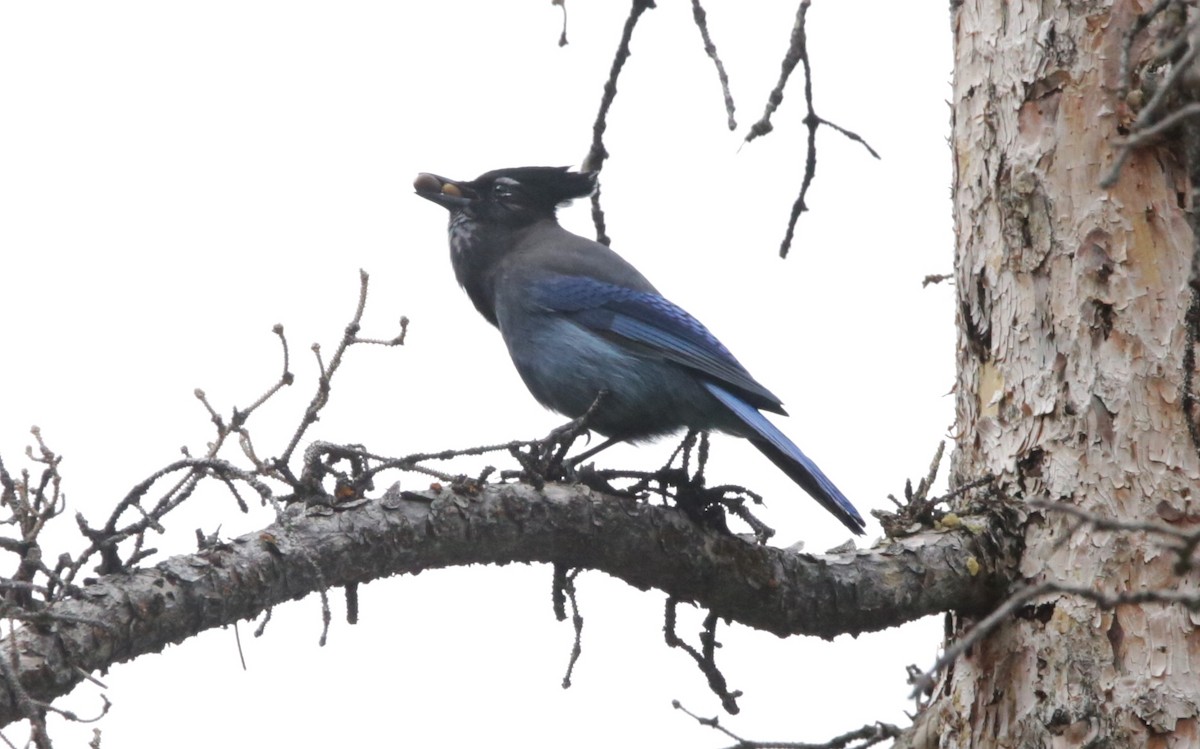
pixel 502 190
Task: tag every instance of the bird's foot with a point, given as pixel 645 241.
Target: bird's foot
pixel 685 487
pixel 551 461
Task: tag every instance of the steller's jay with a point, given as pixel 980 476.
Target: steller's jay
pixel 580 320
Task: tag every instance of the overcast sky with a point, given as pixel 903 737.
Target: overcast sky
pixel 177 178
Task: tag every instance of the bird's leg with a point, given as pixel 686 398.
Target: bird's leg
pixel 684 451
pixel 565 436
pixel 592 451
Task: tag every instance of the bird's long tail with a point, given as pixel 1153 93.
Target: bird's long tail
pixel 784 453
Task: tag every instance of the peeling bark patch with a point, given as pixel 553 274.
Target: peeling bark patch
pixel 1026 223
pixel 1116 636
pixel 1043 612
pixel 991 391
pixel 1058 722
pixel 1102 320
pixel 973 334
pixel 1045 92
pixel 1030 464
pixel 1094 258
pixel 976 320
pixel 1100 421
pixel 1145 247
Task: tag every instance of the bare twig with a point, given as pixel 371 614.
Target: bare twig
pixel 705 656
pixel 1102 599
pixel 74 717
pixel 869 735
pixel 1182 543
pixel 285 378
pixel 797 53
pixel 262 626
pixel 321 397
pixel 918 508
pixel 397 340
pixel 562 38
pixel 925 681
pixel 1131 34
pixel 1180 52
pixel 597 154
pixel 1188 401
pixel 105 540
pixel 1151 132
pixel 564 592
pixel 710 49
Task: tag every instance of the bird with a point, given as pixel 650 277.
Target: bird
pixel 581 323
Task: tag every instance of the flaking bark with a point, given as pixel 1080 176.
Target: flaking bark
pixel 1072 301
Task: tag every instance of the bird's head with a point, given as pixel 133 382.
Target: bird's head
pixel 509 197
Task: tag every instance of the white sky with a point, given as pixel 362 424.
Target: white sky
pixel 176 178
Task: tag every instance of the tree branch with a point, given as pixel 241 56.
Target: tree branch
pixel 123 615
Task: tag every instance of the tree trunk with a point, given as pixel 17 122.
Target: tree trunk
pixel 1071 314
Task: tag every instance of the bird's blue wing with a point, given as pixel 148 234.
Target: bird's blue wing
pixel 645 320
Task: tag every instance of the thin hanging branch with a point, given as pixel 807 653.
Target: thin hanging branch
pixel 710 49
pixel 598 153
pixel 797 53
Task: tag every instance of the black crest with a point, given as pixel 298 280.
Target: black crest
pixel 544 187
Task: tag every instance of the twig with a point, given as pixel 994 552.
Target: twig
pixel 1103 600
pixel 321 398
pixel 105 540
pixel 563 592
pixel 1150 132
pixel 262 626
pixel 285 378
pixel 1186 542
pixel 351 604
pixel 797 53
pixel 1137 27
pixel 710 49
pixel 1144 128
pixel 598 153
pixel 704 657
pixel 869 735
pixel 73 717
pixel 1150 111
pixel 925 681
pixel 562 38
pixel 237 638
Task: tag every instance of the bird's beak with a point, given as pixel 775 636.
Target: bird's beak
pixel 446 193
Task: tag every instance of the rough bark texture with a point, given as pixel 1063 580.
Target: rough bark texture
pixel 122 616
pixel 1071 334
